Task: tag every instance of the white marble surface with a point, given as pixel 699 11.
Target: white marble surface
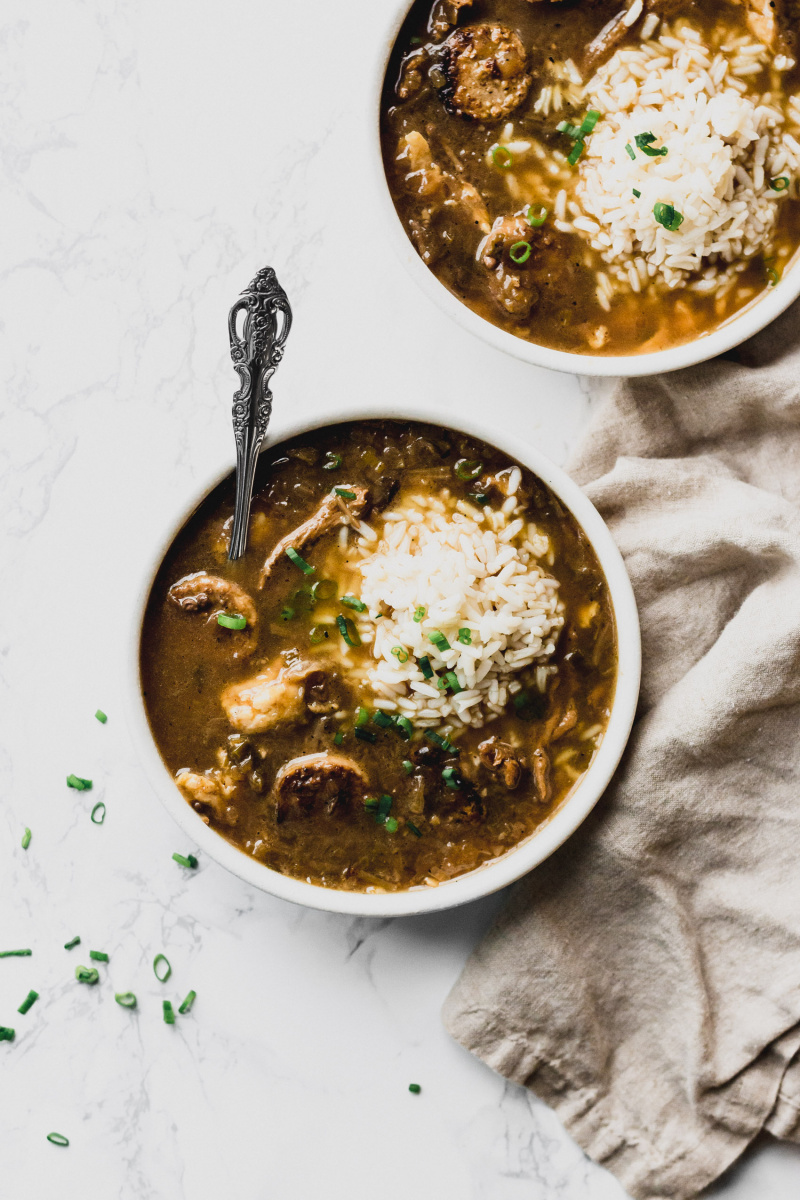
pixel 154 153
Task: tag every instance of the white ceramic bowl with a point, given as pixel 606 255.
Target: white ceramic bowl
pixel 491 876
pixel 734 331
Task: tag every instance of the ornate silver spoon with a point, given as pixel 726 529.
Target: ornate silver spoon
pixel 256 352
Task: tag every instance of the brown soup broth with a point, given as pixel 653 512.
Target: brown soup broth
pixel 188 660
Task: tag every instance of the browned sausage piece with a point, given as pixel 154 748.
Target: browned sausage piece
pixel 317 782
pixel 486 72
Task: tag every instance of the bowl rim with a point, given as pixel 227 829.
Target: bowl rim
pixel 498 873
pixel 759 313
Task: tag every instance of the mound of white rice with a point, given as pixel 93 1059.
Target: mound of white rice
pixel 443 566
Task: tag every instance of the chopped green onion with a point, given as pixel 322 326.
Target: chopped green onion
pixel 465 636
pixel 469 468
pixel 371 803
pixel 443 743
pixel 424 664
pixel 231 621
pixel 452 680
pixel 419 613
pixel 15 953
pixel 125 999
pixel 332 461
pixel 185 860
pixel 416 832
pixel 589 121
pixel 169 1015
pixel 520 252
pixel 384 806
pixel 101 716
pixel 637 193
pixel 390 824
pixel 441 683
pixel 772 276
pixel 26 838
pixel 365 735
pixel 57 1139
pixel 779 184
pixel 576 152
pixel 88 975
pixel 338 738
pixel 536 217
pixel 451 777
pixel 520 699
pixel 572 131
pixel 98 955
pixel 529 708
pixel 400 653
pixel 354 602
pixel 439 640
pixel 414 1088
pixel 643 141
pixel 479 497
pixel 348 631
pixel 502 158
pixel 161 975
pixel 294 557
pixel 345 493
pixel 28 1002
pixel 630 151
pixel 324 589
pixel 98 808
pixel 188 1002
pixel 362 716
pixel 287 612
pixel 668 216
pixel 408 766
pixel 404 726
pixel 80 785
pixel 76 941
pixel 6 1034
pixel 382 719
pixel 318 633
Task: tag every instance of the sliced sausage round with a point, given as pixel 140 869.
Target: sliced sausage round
pixel 486 72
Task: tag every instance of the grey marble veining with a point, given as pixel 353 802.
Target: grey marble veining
pixel 153 155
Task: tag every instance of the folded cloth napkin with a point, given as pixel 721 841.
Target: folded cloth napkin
pixel 645 980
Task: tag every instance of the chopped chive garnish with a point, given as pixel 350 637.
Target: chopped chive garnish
pixel 345 493
pixel 338 738
pixel 470 468
pixel 637 193
pixel 576 152
pixel 465 636
pixel 404 727
pixel 668 216
pixel 371 803
pixel 779 184
pixel 287 612
pixel 76 941
pixel 452 679
pixel 300 562
pixel 643 141
pixel 442 742
pixel 169 1015
pixel 362 716
pixel 416 832
pixel 88 975
pixel 28 1002
pixel 419 613
pixel 772 276
pixel 98 955
pixel 324 589
pixel 441 683
pixel 185 860
pixel 414 1088
pixel 479 497
pixel 390 824
pixel 384 806
pixel 162 973
pixel 382 719
pixel 630 151
pixel 6 1034
pixel 451 777
pixel 100 716
pixel 408 766
pixel 125 999
pixel 332 461
pixel 520 252
pixel 424 664
pixel 318 633
pixel 80 785
pixel 520 699
pixel 365 735
pixel 101 809
pixel 354 602
pixel 188 1002
pixel 15 953
pixel 572 131
pixel 57 1139
pixel 439 640
pixel 348 630
pixel 26 838
pixel 536 216
pixel 231 621
pixel 502 158
pixel 400 653
pixel 589 121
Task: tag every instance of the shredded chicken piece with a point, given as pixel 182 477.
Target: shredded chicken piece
pixel 541 774
pixel 424 177
pixel 333 511
pixel 319 781
pixel 274 697
pixel 501 759
pixel 567 720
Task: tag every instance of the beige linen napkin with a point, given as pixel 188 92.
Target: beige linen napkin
pixel 645 981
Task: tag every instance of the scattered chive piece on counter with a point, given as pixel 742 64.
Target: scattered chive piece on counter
pixel 437 740
pixel 57 1139
pixel 630 151
pixel 643 141
pixel 125 999
pixel 365 735
pixel 76 941
pixel 416 832
pixel 98 955
pixel 26 838
pixel 348 630
pixel 15 953
pixel 101 809
pixel 161 975
pixel 424 664
pixel 80 785
pixel 668 216
pixel 419 613
pixel 88 975
pixel 400 653
pixel 779 184
pixel 390 824
pixel 637 193
pixel 232 620
pixel 439 640
pixel 28 1002
pixel 408 766
pixel 300 562
pixel 520 252
pixel 536 217
pixel 354 602
pixel 100 716
pixel 169 1015
pixel 7 1034
pixel 469 468
pixel 338 738
pixel 332 461
pixel 185 860
pixel 345 493
pixel 414 1088
pixel 502 158
pixel 451 777
pixel 188 1002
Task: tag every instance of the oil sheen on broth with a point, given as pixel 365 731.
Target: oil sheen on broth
pixel 467 159
pixel 278 733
